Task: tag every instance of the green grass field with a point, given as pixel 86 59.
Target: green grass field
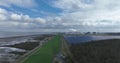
pixel 46 53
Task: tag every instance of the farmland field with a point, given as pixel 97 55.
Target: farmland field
pixel 46 53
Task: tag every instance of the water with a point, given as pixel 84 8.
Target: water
pixel 80 39
pixel 5 52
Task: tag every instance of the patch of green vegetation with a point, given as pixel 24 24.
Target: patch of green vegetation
pixel 46 53
pixel 25 45
pixel 18 53
pixel 66 52
pixel 103 51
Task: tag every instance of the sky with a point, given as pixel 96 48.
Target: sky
pixel 60 15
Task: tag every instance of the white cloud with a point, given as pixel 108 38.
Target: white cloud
pixel 16 17
pixel 27 18
pixel 95 14
pixel 21 3
pixel 2 17
pixel 72 5
pixel 77 15
pixel 40 20
pixel 78 5
pixel 12 20
pixel 20 17
pixel 3 11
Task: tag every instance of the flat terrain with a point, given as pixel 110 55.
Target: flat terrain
pixel 103 51
pixel 46 53
pixel 25 45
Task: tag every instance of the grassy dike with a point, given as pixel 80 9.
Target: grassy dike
pixel 66 52
pixel 46 53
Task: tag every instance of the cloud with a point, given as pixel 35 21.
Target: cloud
pixel 18 21
pixel 3 11
pixel 77 15
pixel 3 17
pixel 40 20
pixel 72 5
pixel 20 3
pixel 16 17
pixel 90 14
pixel 86 5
